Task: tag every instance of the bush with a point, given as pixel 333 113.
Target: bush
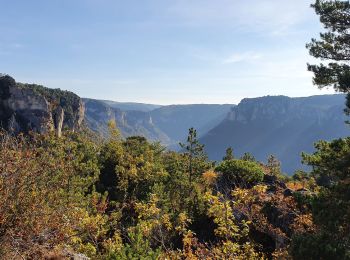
pixel 239 173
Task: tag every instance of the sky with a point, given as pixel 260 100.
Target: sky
pixel 161 51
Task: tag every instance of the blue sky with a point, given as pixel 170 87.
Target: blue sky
pixel 161 51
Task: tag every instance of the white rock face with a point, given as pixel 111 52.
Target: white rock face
pixel 23 109
pixel 59 121
pixel 81 113
pixel 32 109
pixel 26 99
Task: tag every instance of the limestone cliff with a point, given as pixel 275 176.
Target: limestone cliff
pixel 130 123
pixel 278 125
pixel 29 107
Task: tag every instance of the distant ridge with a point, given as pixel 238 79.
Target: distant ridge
pixel 278 125
pixel 167 124
pixel 131 105
pixel 132 122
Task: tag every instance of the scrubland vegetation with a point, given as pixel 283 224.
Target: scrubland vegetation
pixel 82 196
pixel 131 199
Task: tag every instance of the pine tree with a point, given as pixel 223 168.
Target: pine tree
pixel 229 154
pixel 330 206
pixel 248 157
pixel 333 47
pixel 193 149
pixel 274 165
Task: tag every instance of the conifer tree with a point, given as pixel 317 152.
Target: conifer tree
pixel 229 154
pixel 193 149
pixel 274 165
pixel 333 47
pixel 248 157
pixel 331 206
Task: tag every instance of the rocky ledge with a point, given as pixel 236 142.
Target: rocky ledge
pixel 30 107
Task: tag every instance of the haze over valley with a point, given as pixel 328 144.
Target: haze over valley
pixel 272 125
pixel 178 129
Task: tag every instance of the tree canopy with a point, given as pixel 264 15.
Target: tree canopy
pixel 333 46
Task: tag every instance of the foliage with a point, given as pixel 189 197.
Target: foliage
pixel 274 166
pixel 43 186
pixel 129 168
pixel 67 100
pixel 131 199
pixel 234 234
pixel 248 157
pixel 331 206
pixel 333 45
pixel 239 173
pixel 229 154
pixel 197 158
pixel 330 163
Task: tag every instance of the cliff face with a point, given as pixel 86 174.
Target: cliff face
pixel 175 120
pixel 278 125
pixel 25 108
pixel 167 124
pixel 282 109
pixel 130 123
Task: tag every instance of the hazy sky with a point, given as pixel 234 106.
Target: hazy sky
pixel 160 51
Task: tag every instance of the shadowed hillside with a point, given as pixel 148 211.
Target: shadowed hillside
pixel 130 123
pixel 278 125
pixel 175 120
pixel 167 124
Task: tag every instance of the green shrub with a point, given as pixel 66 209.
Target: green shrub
pixel 239 173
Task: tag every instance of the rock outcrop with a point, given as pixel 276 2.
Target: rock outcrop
pixel 278 125
pixel 26 107
pixel 276 214
pixel 130 123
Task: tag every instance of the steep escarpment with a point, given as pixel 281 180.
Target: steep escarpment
pixel 130 123
pixel 175 120
pixel 29 107
pixel 167 124
pixel 278 125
